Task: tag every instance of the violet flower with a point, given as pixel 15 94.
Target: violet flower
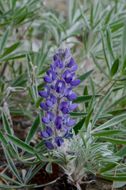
pixel 58 95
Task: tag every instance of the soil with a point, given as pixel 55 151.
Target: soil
pixel 63 183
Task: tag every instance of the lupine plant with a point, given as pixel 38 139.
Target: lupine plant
pixel 52 112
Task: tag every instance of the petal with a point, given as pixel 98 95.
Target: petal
pixel 49 145
pixel 70 122
pixel 74 68
pixel 68 134
pixel 67 53
pixel 49 103
pixel 51 74
pixel 60 85
pixel 71 63
pixel 53 98
pixel 50 115
pixel 45 120
pixel 75 82
pixel 59 141
pixel 49 131
pixel 65 110
pixel 47 79
pixel 44 134
pixel 64 104
pixel 45 92
pixel 58 122
pixel 59 64
pixel 72 96
pixel 55 57
pixel 68 76
pixel 64 107
pixel 73 107
pixel 43 106
pixel 42 94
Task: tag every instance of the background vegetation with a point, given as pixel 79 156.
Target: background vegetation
pixel 30 32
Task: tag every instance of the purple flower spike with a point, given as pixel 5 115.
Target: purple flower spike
pixel 60 80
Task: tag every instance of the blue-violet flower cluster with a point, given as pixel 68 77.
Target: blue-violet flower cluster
pixel 58 95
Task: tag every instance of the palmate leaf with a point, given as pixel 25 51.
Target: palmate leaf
pixel 19 143
pixel 9 130
pixel 117 177
pixel 119 101
pixel 121 152
pixel 33 171
pixel 13 56
pixel 108 167
pixel 85 98
pixel 79 125
pixel 72 10
pixel 123 47
pixel 9 146
pixel 85 75
pixel 3 139
pixel 107 133
pixel 12 165
pixel 7 178
pixel 99 66
pixel 114 140
pixel 109 43
pixel 3 40
pixel 21 80
pixel 115 67
pixel 101 107
pixel 105 52
pixel 112 122
pixel 33 130
pixel 6 124
pixel 10 49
